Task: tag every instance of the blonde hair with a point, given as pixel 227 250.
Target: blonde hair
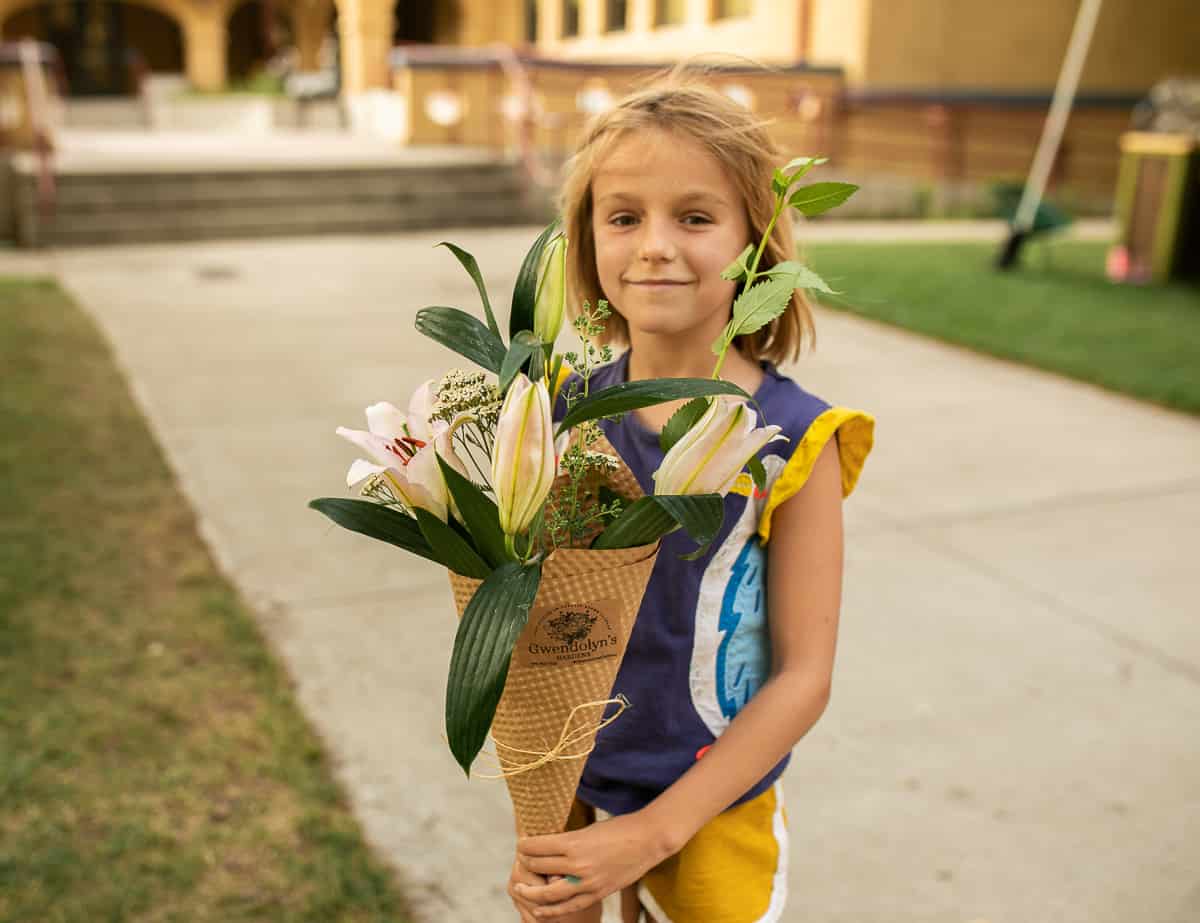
pixel 741 145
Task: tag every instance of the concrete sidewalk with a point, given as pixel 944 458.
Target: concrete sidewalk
pixel 1014 732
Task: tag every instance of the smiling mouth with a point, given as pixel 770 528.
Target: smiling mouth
pixel 654 282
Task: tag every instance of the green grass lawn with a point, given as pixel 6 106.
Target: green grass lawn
pixel 153 763
pixel 1057 312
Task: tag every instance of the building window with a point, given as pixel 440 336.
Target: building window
pixel 731 9
pixel 531 21
pixel 670 12
pixel 614 15
pixel 570 18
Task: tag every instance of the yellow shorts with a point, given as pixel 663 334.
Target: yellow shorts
pixel 733 871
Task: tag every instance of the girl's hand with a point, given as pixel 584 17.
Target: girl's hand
pixel 595 861
pixel 519 877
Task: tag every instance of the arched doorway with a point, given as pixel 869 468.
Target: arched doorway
pixel 430 23
pixel 106 46
pixel 258 31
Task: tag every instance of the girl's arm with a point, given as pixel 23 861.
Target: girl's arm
pixel 804 574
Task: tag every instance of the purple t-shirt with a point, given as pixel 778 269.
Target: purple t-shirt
pixel 700 647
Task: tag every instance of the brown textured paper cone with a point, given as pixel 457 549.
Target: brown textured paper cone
pixel 567 656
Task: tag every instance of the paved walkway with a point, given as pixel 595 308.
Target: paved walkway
pixel 1013 735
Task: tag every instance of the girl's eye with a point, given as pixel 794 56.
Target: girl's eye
pixel 622 220
pixel 696 219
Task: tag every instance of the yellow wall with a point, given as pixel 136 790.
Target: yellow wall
pixel 1019 45
pixel 771 33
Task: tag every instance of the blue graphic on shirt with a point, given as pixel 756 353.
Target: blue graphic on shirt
pixel 743 657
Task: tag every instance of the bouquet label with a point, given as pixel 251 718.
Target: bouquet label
pixel 572 633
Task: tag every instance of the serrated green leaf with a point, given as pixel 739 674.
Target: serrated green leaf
pixel 739 267
pixel 632 395
pixel 450 547
pixel 761 303
pixel 525 290
pixel 758 472
pixel 681 421
pixel 805 277
pixel 376 521
pixel 463 333
pixel 480 514
pixel 819 198
pixel 483 646
pixel 523 347
pixel 472 268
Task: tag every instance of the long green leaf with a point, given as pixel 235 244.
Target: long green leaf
pixel 650 518
pixel 523 347
pixel 700 515
pixel 472 269
pixel 464 334
pixel 797 167
pixel 632 395
pixel 480 514
pixel 818 198
pixel 525 290
pixel 375 521
pixel 490 626
pixel 450 547
pixel 739 267
pixel 681 421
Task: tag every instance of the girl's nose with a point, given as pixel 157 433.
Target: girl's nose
pixel 657 243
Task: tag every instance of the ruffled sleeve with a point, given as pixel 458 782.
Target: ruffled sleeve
pixel 855 432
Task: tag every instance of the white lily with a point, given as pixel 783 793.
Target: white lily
pixel 710 456
pixel 524 460
pixel 405 449
pixel 550 303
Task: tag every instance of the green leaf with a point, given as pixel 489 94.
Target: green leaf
pixel 797 167
pixel 739 267
pixel 700 515
pixel 761 303
pixel 821 197
pixel 805 277
pixel 472 269
pixel 376 521
pixel 650 518
pixel 681 421
pixel 483 646
pixel 631 395
pixel 464 334
pixel 758 472
pixel 450 547
pixel 480 514
pixel 525 291
pixel 523 347
pixel 779 183
pixel 645 520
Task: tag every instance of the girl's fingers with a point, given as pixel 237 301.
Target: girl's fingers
pixel 543 846
pixel 542 866
pixel 580 902
pixel 557 892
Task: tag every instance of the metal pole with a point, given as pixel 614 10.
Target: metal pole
pixel 1052 132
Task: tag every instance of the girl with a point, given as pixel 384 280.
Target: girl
pixel 731 657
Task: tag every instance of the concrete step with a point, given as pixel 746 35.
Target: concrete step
pixel 125 206
pixel 119 113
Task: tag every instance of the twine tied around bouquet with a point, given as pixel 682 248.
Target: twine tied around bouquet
pixel 567 747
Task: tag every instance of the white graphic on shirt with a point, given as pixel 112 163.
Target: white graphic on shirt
pixel 731 653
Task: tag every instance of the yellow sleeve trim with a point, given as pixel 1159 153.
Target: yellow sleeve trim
pixel 855 433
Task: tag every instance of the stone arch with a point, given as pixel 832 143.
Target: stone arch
pixel 106 46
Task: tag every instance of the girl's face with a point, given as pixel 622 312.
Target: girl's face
pixel 666 220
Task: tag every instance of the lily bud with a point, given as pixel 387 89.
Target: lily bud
pixel 551 301
pixel 710 456
pixel 523 460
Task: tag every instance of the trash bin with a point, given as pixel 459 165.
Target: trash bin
pixel 1158 189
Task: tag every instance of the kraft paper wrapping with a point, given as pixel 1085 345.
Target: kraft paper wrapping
pixel 567 656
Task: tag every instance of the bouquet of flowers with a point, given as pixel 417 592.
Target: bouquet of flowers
pixel 547 536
